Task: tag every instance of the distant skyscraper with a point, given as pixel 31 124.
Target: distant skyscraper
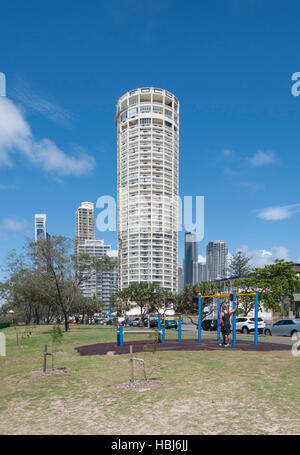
pixel 190 257
pixel 147 122
pixel 202 272
pixel 85 223
pixel 216 259
pixel 180 279
pixel 40 226
pixel 100 284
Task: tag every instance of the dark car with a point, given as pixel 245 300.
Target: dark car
pixel 170 324
pixel 153 322
pixel 210 324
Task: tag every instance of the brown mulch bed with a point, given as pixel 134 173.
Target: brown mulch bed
pixel 174 345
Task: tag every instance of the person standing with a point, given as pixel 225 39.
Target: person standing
pixel 225 325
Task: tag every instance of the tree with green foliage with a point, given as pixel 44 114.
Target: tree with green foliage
pixel 44 281
pixel 149 297
pixel 239 264
pixel 275 283
pixel 187 301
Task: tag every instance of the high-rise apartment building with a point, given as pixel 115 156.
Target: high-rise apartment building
pixel 180 279
pixel 101 283
pixel 85 223
pixel 190 257
pixel 147 122
pixel 40 226
pixel 216 259
pixel 202 272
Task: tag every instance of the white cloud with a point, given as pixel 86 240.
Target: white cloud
pixel 260 258
pixel 227 153
pixel 231 172
pixel 261 158
pixel 112 253
pixel 280 212
pixel 16 225
pixel 26 96
pixel 16 136
pixel 201 258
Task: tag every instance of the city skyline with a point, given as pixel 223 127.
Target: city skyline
pixel 239 128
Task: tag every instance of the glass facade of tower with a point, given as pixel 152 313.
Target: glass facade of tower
pixel 216 259
pixel 190 257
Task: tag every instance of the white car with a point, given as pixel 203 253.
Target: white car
pixel 284 327
pixel 247 325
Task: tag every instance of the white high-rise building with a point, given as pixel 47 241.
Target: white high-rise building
pixel 103 283
pixel 216 259
pixel 40 226
pixel 147 121
pixel 100 284
pixel 85 222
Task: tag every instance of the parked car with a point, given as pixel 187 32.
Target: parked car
pixel 170 324
pixel 136 322
pixel 283 327
pixel 99 321
pixel 153 322
pixel 209 324
pixel 246 324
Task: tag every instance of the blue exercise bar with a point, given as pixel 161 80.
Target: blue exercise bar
pixel 256 319
pixel 219 313
pixel 179 327
pixel 199 318
pixel 234 319
pixel 159 327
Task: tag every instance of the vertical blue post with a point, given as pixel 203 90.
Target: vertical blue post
pixel 219 312
pixel 121 335
pixel 179 327
pixel 163 334
pixel 256 319
pixel 159 327
pixel 199 318
pixel 234 319
pixel 118 335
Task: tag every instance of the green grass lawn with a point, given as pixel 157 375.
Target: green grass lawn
pixel 205 392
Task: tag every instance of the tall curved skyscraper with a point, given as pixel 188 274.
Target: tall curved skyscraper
pixel 147 121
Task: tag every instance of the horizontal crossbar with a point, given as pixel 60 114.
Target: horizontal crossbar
pixel 141 331
pixel 215 296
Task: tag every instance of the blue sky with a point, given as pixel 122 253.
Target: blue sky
pixel 230 64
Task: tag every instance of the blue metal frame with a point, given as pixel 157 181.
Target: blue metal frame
pixel 199 318
pixel 234 319
pixel 219 313
pixel 159 327
pixel 256 319
pixel 179 327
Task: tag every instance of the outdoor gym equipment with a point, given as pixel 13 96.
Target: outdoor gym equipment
pixel 160 332
pixel 161 327
pixel 234 295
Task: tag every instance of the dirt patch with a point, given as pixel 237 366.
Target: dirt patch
pixel 141 385
pixel 50 372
